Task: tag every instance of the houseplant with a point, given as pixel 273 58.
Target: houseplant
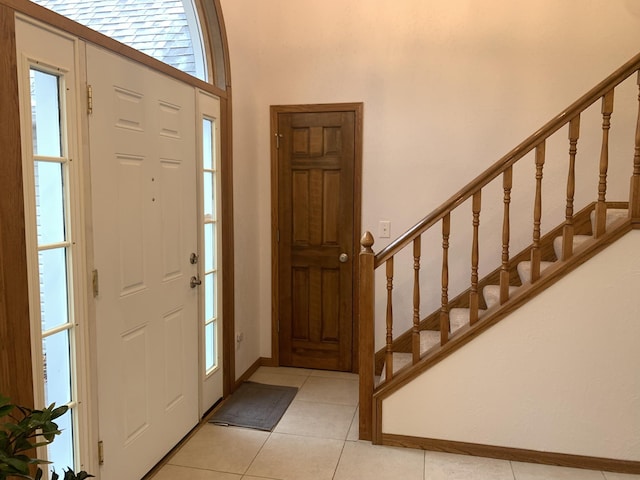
pixel 25 430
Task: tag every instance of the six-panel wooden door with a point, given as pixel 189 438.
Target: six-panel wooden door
pixel 316 158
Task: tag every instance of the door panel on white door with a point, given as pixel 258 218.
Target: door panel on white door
pixel 143 177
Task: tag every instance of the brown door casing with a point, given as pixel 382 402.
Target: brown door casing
pixel 316 184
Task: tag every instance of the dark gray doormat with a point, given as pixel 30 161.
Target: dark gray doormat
pixel 255 405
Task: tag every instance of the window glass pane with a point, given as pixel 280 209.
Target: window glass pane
pixel 57 368
pixel 53 288
pixel 163 29
pixel 49 202
pixel 210 345
pixel 209 296
pixel 209 247
pixel 207 144
pixel 60 452
pixel 209 192
pixel 45 110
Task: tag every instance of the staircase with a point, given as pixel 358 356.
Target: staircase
pixel 459 317
pixel 518 278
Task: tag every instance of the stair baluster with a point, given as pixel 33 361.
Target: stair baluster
pixel 389 356
pixel 507 183
pixel 415 347
pixel 568 230
pixel 634 195
pixel 475 254
pixel 444 309
pixel 601 207
pixel 537 214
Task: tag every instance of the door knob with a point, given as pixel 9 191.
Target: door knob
pixel 195 281
pixel 344 258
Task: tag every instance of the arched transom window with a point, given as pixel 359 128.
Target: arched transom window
pixel 167 30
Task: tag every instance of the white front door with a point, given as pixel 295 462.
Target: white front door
pixel 145 224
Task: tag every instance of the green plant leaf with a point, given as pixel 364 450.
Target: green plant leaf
pixel 58 412
pixel 18 464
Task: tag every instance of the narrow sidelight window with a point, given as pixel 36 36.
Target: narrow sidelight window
pixel 53 283
pixel 209 179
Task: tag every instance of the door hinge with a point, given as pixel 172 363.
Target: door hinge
pixel 94 283
pixel 100 452
pixel 278 137
pixel 89 99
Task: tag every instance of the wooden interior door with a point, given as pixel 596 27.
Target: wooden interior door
pixel 316 158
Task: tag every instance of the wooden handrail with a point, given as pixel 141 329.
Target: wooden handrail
pixel 510 158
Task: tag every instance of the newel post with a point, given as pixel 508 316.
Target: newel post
pixel 366 340
pixel 634 195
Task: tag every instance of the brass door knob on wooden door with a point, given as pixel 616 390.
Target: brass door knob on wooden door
pixel 344 258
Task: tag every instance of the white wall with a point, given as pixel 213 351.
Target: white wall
pixel 448 88
pixel 558 375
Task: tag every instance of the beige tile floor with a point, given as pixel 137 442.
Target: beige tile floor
pixel 317 439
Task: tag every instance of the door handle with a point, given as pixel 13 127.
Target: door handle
pixel 344 258
pixel 195 281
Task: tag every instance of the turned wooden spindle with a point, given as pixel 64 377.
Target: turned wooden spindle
pixel 475 255
pixel 568 229
pixel 416 300
pixel 507 183
pixel 634 191
pixel 389 350
pixel 444 309
pixel 601 206
pixel 537 214
pixel 366 339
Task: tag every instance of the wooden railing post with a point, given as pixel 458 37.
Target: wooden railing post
pixel 507 183
pixel 389 318
pixel 475 258
pixel 415 342
pixel 601 206
pixel 366 335
pixel 634 193
pixel 537 214
pixel 568 230
pixel 444 302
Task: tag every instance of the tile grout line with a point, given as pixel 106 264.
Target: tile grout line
pixel 272 432
pixel 335 470
pixel 513 472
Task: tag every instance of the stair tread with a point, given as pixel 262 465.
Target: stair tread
pixel 400 360
pixel 613 215
pixel 524 269
pixel 428 340
pixel 492 294
pixel 578 240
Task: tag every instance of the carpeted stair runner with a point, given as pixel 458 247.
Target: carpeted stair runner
pixel 458 317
